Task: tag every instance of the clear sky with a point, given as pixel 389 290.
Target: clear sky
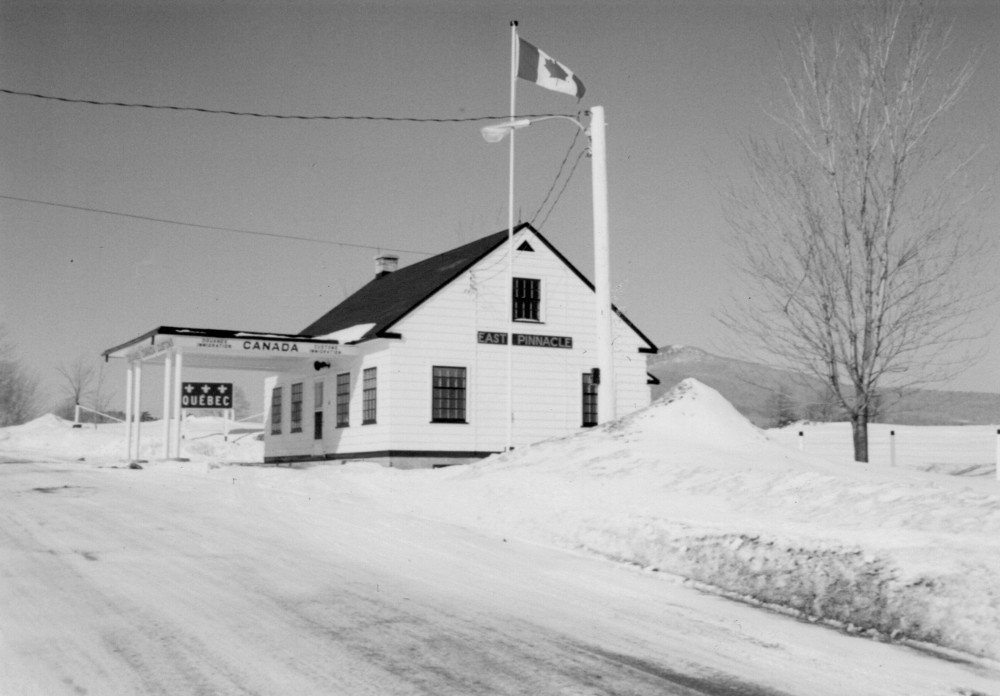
pixel 681 82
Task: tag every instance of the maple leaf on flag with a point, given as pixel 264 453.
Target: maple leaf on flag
pixel 555 70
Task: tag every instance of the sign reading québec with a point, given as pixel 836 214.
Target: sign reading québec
pixel 207 395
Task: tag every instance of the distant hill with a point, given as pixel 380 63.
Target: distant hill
pixel 767 395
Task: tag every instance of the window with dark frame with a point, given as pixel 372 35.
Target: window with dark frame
pixel 589 400
pixel 296 419
pixel 318 410
pixel 527 299
pixel 449 395
pixel 276 411
pixel 343 399
pixel 369 402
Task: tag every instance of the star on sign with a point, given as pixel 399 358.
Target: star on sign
pixel 555 70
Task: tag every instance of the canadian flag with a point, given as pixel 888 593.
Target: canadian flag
pixel 539 67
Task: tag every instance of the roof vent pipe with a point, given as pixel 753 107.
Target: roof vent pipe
pixel 384 265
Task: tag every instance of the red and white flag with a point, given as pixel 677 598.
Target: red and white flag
pixel 539 67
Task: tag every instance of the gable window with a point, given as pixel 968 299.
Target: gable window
pixel 590 387
pixel 527 299
pixel 343 399
pixel 448 395
pixel 276 411
pixel 318 410
pixel 296 408
pixel 369 401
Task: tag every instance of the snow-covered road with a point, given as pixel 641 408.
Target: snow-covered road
pixel 114 581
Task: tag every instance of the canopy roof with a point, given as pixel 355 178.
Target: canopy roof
pixel 217 348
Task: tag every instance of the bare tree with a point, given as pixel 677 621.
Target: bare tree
pixel 18 387
pixel 101 395
pixel 84 382
pixel 77 378
pixel 853 232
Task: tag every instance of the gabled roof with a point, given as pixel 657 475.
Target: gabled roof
pixel 386 300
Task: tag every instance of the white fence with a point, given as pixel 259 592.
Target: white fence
pixel 960 449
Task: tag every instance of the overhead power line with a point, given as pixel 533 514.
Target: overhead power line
pixel 236 230
pixel 561 191
pixel 562 166
pixel 254 114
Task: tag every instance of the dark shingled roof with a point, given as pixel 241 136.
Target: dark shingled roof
pixel 386 300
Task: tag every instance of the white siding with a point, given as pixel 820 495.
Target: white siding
pixel 547 391
pixel 356 437
pixel 547 382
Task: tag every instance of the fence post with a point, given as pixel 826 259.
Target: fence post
pixel 76 416
pixel 892 448
pixel 801 441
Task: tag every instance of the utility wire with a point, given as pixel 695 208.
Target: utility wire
pixel 563 189
pixel 562 165
pixel 213 227
pixel 321 117
pixel 254 114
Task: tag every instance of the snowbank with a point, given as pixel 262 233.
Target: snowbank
pixel 689 487
pixel 52 438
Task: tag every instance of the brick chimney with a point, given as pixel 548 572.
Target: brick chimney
pixel 386 264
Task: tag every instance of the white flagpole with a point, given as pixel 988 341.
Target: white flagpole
pixel 510 243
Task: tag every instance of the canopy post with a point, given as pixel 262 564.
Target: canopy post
pixel 137 409
pixel 178 413
pixel 129 398
pixel 167 390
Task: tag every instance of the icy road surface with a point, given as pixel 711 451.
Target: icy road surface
pixel 114 581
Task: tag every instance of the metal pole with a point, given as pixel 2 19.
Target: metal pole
pixel 606 393
pixel 167 384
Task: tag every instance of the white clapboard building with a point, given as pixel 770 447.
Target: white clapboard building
pixel 421 374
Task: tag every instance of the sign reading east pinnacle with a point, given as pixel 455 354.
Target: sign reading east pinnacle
pixel 532 340
pixel 207 395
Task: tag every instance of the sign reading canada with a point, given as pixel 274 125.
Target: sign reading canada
pixel 207 395
pixel 262 344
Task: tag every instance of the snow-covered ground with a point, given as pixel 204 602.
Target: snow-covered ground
pixel 686 487
pixel 960 450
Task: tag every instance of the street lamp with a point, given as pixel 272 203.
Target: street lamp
pixel 606 392
pixel 498 131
